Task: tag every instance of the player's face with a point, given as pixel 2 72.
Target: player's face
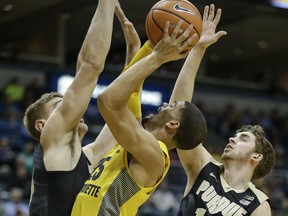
pixel 165 113
pixel 240 147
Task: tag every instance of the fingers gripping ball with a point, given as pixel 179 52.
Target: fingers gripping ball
pixel 174 11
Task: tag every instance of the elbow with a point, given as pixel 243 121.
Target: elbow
pixel 106 102
pixel 102 102
pixel 90 69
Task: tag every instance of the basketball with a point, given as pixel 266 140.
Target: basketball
pixel 174 11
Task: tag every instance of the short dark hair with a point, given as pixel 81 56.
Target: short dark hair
pixel 36 111
pixel 264 147
pixel 193 127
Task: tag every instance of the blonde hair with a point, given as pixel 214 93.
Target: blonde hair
pixel 37 111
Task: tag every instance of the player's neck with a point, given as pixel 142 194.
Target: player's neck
pixel 237 176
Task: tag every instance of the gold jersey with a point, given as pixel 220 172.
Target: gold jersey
pixel 111 190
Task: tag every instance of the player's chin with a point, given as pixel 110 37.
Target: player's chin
pixel 226 156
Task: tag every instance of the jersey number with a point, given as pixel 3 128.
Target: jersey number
pixel 99 169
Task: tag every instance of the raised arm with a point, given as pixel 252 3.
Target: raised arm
pixel 184 86
pixel 112 102
pixel 132 39
pixel 70 110
pixel 105 139
pixel 95 46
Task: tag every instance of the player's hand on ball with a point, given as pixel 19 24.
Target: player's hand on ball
pixel 171 47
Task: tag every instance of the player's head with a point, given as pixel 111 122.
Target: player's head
pixel 182 120
pixel 193 129
pixel 250 145
pixel 262 146
pixel 41 109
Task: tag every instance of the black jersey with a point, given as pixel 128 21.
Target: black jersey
pixel 39 189
pixel 64 187
pixel 211 195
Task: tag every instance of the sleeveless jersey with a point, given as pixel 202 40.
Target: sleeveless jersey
pixel 38 205
pixel 211 195
pixel 111 190
pixel 64 187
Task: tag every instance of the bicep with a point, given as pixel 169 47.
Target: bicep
pixel 125 128
pixel 53 130
pixel 77 96
pixel 133 137
pixel 262 210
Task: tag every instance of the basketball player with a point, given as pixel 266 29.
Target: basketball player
pixel 56 121
pixel 128 174
pixel 222 189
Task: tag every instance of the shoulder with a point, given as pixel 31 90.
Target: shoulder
pixel 166 154
pixel 213 166
pixel 217 163
pixel 163 147
pixel 263 209
pixel 261 196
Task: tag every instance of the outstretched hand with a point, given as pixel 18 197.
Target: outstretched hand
pixel 132 39
pixel 210 22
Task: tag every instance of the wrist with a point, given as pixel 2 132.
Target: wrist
pixel 155 60
pixel 151 45
pixel 200 48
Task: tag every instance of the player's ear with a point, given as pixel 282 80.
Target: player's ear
pixel 39 124
pixel 172 126
pixel 257 157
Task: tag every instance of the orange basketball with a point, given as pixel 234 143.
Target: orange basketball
pixel 174 11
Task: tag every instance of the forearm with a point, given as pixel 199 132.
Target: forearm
pixel 96 46
pixel 118 93
pixel 132 39
pixel 131 51
pixel 90 63
pixel 142 53
pixel 134 103
pixel 169 48
pixel 184 86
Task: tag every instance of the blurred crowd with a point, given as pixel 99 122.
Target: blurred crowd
pixel 16 152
